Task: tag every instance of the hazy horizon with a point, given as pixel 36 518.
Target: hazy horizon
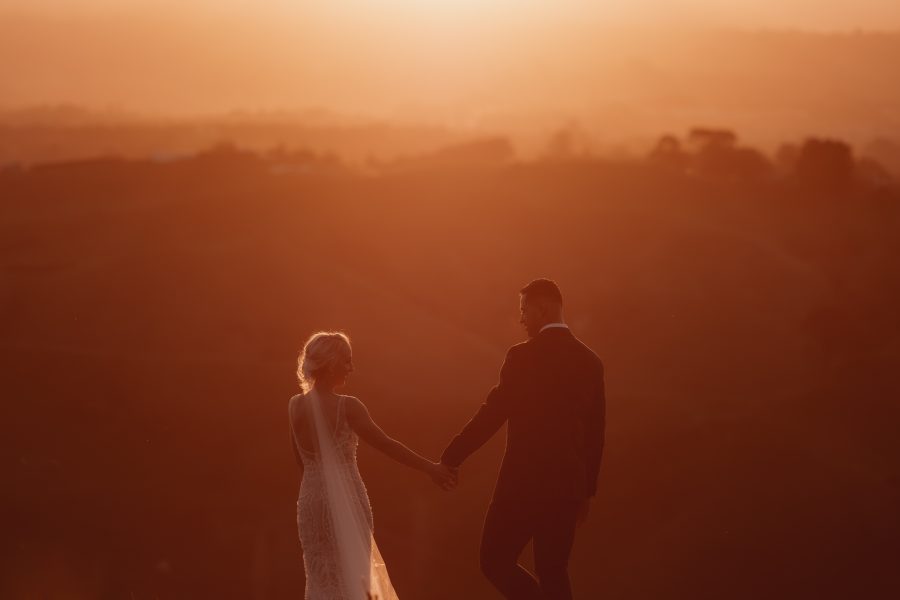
pixel 521 77
pixel 621 73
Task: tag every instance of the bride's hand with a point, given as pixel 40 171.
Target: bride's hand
pixel 443 476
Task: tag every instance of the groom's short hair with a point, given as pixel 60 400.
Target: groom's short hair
pixel 542 288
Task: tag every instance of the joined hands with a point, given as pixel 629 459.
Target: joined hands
pixel 444 476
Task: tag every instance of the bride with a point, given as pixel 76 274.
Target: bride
pixel 334 517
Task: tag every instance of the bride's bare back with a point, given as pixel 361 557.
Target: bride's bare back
pixel 320 539
pixel 301 418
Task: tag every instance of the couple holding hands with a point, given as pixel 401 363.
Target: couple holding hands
pixel 550 393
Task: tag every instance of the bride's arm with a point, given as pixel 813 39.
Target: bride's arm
pixel 361 421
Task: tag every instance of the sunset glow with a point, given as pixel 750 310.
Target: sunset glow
pixel 613 282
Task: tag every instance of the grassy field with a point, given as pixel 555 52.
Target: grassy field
pixel 151 315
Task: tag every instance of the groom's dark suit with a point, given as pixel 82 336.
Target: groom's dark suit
pixel 551 391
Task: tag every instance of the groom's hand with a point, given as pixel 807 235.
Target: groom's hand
pixel 453 471
pixel 442 475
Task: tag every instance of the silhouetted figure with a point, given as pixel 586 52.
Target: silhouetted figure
pixel 334 518
pixel 551 392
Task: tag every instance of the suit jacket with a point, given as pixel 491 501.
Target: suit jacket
pixel 551 392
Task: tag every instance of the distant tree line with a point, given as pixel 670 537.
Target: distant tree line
pixel 817 163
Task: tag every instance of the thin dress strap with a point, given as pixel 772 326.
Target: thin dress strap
pixel 338 415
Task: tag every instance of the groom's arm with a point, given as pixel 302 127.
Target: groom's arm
pixel 489 418
pixel 596 432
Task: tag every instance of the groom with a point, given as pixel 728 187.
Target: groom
pixel 551 392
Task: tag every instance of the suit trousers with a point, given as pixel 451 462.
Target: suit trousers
pixel 508 526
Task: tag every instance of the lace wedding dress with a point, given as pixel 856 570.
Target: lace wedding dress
pixel 334 517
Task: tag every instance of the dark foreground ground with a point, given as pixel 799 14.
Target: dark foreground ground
pixel 151 315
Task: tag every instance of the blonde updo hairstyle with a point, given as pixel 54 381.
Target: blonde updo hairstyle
pixel 321 353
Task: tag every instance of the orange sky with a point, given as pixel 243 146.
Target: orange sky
pixel 458 61
pixel 831 14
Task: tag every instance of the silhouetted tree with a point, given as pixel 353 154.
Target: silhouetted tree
pixel 716 155
pixel 282 161
pixel 886 152
pixel 669 154
pixel 786 159
pixel 825 164
pixel 488 152
pixel 747 164
pixel 704 138
pixel 227 156
pixel 871 172
pixel 569 143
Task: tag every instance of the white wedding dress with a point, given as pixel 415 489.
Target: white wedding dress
pixel 334 517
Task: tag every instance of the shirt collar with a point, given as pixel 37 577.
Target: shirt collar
pixel 549 325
